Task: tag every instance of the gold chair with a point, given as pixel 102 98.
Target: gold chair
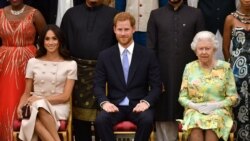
pixel 64 131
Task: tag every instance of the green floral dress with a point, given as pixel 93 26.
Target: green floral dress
pixel 200 85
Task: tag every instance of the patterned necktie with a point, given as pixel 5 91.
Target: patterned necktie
pixel 125 64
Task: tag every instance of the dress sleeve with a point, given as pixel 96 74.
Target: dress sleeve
pixel 29 70
pixel 72 73
pixel 231 93
pixel 183 97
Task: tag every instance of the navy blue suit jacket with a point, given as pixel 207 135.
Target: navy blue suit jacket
pixel 143 80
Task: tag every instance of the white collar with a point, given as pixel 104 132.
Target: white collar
pixel 130 48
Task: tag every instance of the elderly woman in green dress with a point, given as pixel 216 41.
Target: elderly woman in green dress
pixel 207 92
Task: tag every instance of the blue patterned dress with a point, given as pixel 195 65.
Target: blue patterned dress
pixel 240 63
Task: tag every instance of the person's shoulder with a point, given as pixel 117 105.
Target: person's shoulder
pixel 70 63
pixel 192 9
pixel 192 64
pixel 33 11
pixel 143 49
pixel 108 7
pixel 223 64
pixel 230 17
pixel 159 10
pixel 33 60
pixel 109 51
pixel 136 45
pixel 74 9
pixel 109 10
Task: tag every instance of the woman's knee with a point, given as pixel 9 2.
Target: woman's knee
pixel 211 135
pixel 196 133
pixel 42 111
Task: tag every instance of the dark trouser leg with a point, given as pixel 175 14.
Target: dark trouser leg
pixel 97 138
pixel 104 124
pixel 144 123
pixel 104 127
pixel 82 130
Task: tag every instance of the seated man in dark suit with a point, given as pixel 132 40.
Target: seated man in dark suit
pixel 133 77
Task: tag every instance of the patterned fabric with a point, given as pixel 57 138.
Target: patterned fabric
pixel 17 48
pixel 200 85
pixel 84 102
pixel 240 62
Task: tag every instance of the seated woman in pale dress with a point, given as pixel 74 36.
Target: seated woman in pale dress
pixel 207 93
pixel 50 78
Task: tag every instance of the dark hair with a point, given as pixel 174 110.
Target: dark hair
pixel 63 52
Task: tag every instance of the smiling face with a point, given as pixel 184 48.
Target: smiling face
pixel 124 32
pixel 51 42
pixel 205 51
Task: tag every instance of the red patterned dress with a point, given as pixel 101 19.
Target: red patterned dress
pixel 17 48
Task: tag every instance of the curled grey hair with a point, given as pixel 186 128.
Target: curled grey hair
pixel 204 35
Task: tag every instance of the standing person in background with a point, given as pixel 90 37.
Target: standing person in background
pixel 62 7
pixel 140 9
pixel 48 8
pixel 170 31
pixel 110 3
pixel 3 3
pixel 18 28
pixel 237 31
pixel 77 2
pixel 215 12
pixel 52 10
pixel 89 30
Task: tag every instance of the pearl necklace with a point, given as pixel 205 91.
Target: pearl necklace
pixel 14 12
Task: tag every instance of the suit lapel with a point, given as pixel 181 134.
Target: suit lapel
pixel 118 64
pixel 136 58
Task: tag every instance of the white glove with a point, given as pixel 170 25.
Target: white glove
pixel 196 106
pixel 210 107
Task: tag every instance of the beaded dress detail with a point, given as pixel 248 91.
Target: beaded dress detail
pixel 17 48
